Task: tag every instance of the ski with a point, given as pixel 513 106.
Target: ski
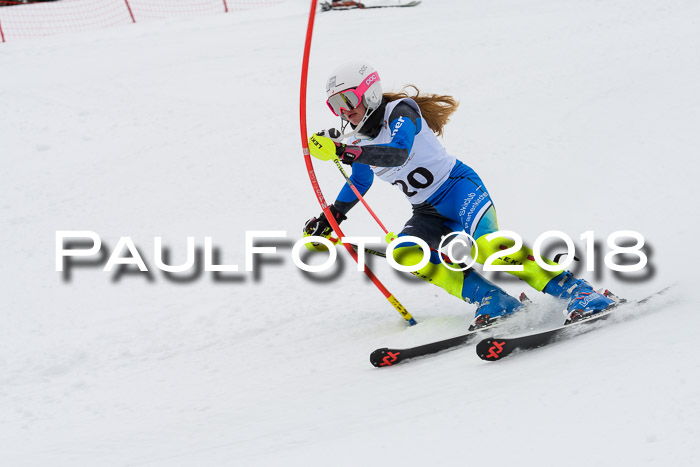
pixel 402 5
pixel 497 348
pixel 389 357
pixel 351 5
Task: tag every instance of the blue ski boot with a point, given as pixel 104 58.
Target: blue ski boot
pixel 493 303
pixel 584 302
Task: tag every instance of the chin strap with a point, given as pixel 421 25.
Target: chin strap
pixel 344 124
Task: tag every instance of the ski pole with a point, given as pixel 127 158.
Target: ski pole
pixel 381 254
pixel 336 241
pixel 359 196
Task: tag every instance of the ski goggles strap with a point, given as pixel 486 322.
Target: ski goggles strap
pixel 349 99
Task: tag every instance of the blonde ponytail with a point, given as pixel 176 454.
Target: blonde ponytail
pixel 436 109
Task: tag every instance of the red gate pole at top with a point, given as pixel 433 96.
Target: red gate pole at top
pixel 131 13
pixel 225 7
pixel 2 35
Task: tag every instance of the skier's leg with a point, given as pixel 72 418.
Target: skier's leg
pixel 583 300
pixel 465 201
pixel 469 285
pixel 466 204
pixel 532 273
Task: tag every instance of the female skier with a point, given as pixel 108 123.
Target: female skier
pixel 395 138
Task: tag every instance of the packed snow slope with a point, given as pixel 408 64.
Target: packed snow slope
pixel 579 116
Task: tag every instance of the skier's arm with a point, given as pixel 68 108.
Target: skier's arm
pixel 324 148
pixel 405 125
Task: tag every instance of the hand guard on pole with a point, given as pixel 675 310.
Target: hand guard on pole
pixel 325 149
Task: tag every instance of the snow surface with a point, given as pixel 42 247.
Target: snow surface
pixel 579 115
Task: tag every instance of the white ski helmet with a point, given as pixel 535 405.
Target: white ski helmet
pixel 351 84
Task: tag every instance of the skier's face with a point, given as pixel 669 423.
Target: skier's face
pixel 355 115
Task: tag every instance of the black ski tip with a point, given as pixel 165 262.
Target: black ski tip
pixel 492 349
pixel 384 357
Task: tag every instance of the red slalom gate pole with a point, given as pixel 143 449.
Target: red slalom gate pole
pixel 312 175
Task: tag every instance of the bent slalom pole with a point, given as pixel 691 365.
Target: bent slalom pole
pixel 312 175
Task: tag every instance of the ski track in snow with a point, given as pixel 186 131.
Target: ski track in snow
pixel 578 115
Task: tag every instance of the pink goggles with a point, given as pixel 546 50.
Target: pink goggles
pixel 349 99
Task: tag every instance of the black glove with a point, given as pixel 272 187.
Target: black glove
pixel 320 226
